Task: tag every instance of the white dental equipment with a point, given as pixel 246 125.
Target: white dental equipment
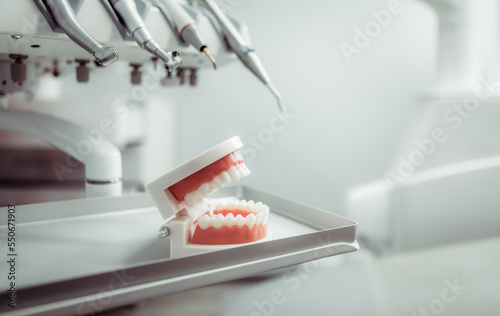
pixel 441 186
pixel 102 160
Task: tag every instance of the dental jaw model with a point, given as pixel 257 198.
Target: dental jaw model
pixel 232 222
pixel 196 223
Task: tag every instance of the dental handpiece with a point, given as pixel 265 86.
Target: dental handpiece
pixel 241 48
pixel 127 10
pixel 63 13
pixel 188 30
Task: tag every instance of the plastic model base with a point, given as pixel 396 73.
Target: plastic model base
pixel 73 251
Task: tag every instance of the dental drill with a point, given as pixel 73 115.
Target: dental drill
pixel 187 28
pixel 127 10
pixel 63 14
pixel 241 48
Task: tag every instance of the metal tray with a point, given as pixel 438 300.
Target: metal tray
pixel 86 256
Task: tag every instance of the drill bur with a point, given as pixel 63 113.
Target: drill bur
pixel 212 59
pixel 277 95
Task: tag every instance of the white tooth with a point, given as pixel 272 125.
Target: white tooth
pixel 199 197
pixel 233 173
pixel 251 205
pixel 213 186
pixel 205 189
pixel 244 170
pixel 204 221
pixel 218 181
pixel 237 154
pixel 226 178
pixel 258 207
pixel 241 171
pixel 217 220
pixel 244 166
pixel 229 219
pixel 191 198
pixel 239 220
pixel 266 216
pixel 259 218
pixel 250 220
pixel 220 206
pixel 243 205
pixel 236 204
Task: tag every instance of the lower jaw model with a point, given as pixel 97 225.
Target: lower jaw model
pixel 197 222
pixel 233 222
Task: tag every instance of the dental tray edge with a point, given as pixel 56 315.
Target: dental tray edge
pixel 181 274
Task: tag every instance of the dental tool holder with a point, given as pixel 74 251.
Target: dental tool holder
pixel 175 31
pixel 60 32
pixel 44 38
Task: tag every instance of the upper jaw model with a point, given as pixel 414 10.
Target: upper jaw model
pixel 194 188
pixel 198 223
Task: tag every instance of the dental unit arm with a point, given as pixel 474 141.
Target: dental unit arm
pixel 103 164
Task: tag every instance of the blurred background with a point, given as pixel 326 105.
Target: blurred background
pixel 349 118
pixel 346 119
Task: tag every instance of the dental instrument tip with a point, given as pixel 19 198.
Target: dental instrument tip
pixel 212 59
pixel 278 97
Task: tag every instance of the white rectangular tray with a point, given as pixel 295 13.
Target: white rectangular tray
pixel 85 256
